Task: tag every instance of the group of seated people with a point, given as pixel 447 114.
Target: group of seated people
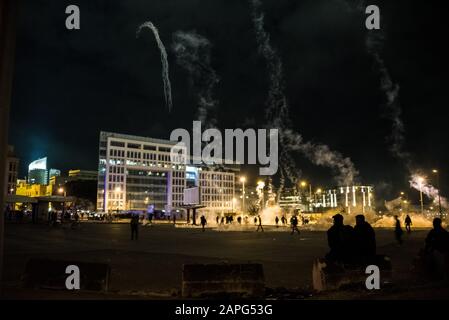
pixel 357 245
pixel 351 245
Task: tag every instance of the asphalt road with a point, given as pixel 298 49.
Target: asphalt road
pixel 153 263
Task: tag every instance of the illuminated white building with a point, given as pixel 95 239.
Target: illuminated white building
pixel 349 197
pixel 37 172
pixel 136 173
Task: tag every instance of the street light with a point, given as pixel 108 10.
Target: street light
pixel 435 171
pixel 243 180
pixel 62 191
pixel 303 185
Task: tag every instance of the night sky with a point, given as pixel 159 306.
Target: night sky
pixel 70 84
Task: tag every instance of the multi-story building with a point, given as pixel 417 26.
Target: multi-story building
pixel 33 190
pixel 290 200
pixel 136 173
pixel 349 197
pixel 12 167
pixel 83 175
pixel 37 172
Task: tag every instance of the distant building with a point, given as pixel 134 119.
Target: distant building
pixel 33 190
pixel 136 173
pixel 290 200
pixel 349 197
pixel 83 175
pixel 12 167
pixel 37 172
pixel 54 173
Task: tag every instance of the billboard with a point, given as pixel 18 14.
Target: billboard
pixel 192 196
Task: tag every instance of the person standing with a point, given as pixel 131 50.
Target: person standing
pixel 174 219
pixel 398 231
pixel 203 222
pixel 134 227
pixel 259 226
pixel 277 222
pixel 408 223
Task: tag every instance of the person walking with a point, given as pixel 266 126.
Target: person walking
pixel 134 226
pixel 408 223
pixel 277 222
pixel 259 226
pixel 398 231
pixel 294 223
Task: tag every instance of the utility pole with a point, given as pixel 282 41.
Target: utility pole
pixel 8 16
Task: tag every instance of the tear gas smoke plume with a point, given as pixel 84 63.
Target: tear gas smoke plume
pixel 193 54
pixel 165 77
pixel 277 114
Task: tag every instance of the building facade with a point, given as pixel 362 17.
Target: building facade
pixel 12 168
pixel 78 174
pixel 37 172
pixel 136 173
pixel 349 197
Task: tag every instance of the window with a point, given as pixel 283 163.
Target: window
pixel 134 146
pixel 117 144
pixel 147 147
pixel 163 149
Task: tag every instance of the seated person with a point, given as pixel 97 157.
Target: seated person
pixel 340 240
pixel 364 240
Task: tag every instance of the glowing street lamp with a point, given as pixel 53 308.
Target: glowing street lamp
pixel 63 192
pixel 243 180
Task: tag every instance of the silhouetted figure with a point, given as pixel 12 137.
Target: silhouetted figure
pixel 134 227
pixel 259 226
pixel 364 240
pixel 398 230
pixel 340 240
pixel 222 220
pixel 255 220
pixel 218 219
pixel 203 222
pixel 283 220
pixel 276 220
pixel 294 223
pixel 239 220
pixel 174 219
pixel 408 223
pixel 438 238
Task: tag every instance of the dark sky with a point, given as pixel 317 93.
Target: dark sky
pixel 69 85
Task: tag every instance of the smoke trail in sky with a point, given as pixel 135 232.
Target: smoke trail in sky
pixel 277 113
pixel 374 41
pixel 193 54
pixel 165 77
pixel 419 183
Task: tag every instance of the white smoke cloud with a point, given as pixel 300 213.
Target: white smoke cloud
pixel 277 114
pixel 193 54
pixel 165 77
pixel 418 182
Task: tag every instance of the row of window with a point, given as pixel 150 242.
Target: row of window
pixel 216 184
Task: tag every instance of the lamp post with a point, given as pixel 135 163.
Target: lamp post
pixel 439 197
pixel 243 180
pixel 64 193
